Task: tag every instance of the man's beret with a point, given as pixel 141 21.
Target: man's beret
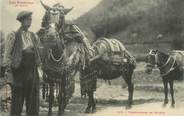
pixel 23 14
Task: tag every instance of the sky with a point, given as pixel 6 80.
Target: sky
pixel 10 8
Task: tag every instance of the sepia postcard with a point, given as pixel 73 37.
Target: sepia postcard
pixel 91 58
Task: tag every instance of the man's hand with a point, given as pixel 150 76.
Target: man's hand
pixel 7 70
pixel 8 74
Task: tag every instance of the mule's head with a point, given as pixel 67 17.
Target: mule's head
pixel 53 23
pixel 151 60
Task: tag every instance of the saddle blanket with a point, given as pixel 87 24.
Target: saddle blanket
pixel 115 45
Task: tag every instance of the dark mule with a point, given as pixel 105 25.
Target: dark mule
pixel 169 70
pixel 60 56
pixel 110 60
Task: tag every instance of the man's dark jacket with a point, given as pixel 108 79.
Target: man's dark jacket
pixel 14 48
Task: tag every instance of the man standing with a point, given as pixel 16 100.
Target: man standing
pixel 21 59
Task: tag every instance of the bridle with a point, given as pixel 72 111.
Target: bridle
pixel 164 65
pixel 157 60
pixel 58 38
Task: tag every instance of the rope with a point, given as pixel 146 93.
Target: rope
pixel 166 62
pixel 171 69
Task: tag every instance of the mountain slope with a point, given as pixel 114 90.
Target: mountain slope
pixel 139 23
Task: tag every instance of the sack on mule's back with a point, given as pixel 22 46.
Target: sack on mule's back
pixel 179 55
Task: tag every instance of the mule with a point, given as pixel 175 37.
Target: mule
pixel 169 71
pixel 60 55
pixel 107 64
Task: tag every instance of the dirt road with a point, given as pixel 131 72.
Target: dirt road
pixel 148 98
pixel 112 102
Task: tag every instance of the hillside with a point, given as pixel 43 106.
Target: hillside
pixel 139 24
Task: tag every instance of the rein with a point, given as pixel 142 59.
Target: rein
pixel 165 63
pixel 171 68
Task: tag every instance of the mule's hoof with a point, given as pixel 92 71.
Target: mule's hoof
pixel 129 102
pixel 128 107
pixel 60 112
pixel 49 114
pixel 88 110
pixel 172 105
pixel 166 101
pixel 164 105
pixel 93 110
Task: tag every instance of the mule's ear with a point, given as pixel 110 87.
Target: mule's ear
pixel 44 5
pixel 66 11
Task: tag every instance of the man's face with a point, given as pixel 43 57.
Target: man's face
pixel 27 21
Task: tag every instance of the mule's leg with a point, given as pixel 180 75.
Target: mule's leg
pixel 128 80
pixel 94 101
pixel 90 102
pixel 51 98
pixel 65 94
pixel 43 90
pixel 165 82
pixel 172 93
pixel 62 97
pixel 47 92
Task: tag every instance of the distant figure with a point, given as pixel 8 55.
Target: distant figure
pixel 159 36
pixel 21 60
